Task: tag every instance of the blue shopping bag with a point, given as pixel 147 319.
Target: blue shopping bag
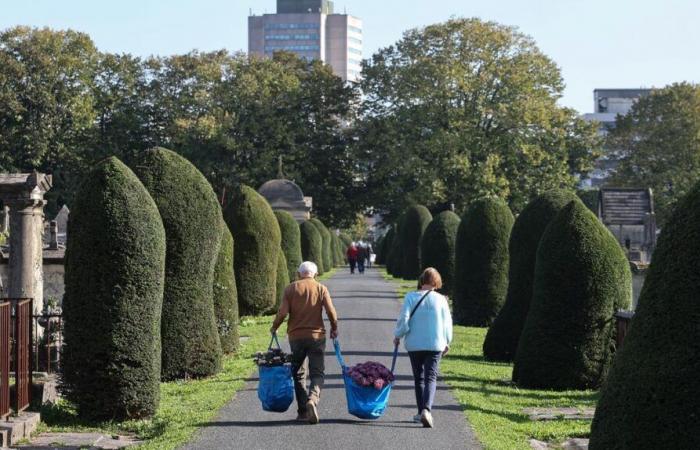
pixel 276 387
pixel 364 402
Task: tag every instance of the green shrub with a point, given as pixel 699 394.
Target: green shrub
pixel 415 221
pixel 345 239
pixel 191 217
pixel 325 244
pixel 258 241
pixel 438 247
pixel 502 338
pixel 381 249
pixel 394 257
pixel 291 241
pixel 311 244
pixel 581 278
pixel 481 262
pixel 337 248
pixel 282 279
pixel 650 399
pixel 226 295
pixel 590 198
pixel 115 266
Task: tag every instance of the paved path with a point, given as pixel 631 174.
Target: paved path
pixel 367 308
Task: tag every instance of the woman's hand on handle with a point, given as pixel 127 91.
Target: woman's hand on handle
pixel 446 351
pixel 397 341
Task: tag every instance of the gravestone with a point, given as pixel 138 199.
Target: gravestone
pixel 61 220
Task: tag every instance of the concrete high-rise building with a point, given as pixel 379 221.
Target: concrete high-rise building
pixel 312 30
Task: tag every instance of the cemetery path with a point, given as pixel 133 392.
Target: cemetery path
pixel 367 308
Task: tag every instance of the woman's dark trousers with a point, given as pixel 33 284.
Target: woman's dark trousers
pixel 425 372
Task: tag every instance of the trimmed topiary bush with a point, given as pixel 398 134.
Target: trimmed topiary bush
pixel 590 198
pixel 415 221
pixel 650 399
pixel 258 242
pixel 394 262
pixel 291 241
pixel 226 295
pixel 387 242
pixel 325 244
pixel 282 279
pixel 481 262
pixel 502 338
pixel 191 217
pixel 115 266
pixel 311 244
pixel 438 247
pixel 581 278
pixel 337 248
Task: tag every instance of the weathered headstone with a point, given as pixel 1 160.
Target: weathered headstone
pixel 61 220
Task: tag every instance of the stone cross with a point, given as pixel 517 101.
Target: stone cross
pixel 24 194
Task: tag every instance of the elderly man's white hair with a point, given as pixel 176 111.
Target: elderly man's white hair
pixel 307 269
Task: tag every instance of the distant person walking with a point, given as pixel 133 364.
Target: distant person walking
pixel 426 324
pixel 304 301
pixel 361 258
pixel 370 256
pixel 352 254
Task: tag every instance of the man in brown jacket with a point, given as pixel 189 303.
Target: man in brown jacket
pixel 304 301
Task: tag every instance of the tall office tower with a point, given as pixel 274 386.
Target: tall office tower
pixel 312 30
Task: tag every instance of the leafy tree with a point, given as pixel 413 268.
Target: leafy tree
pixel 115 267
pixel 464 109
pixel 650 398
pixel 582 278
pixel 658 144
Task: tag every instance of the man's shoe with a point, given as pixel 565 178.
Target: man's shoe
pixel 416 418
pixel 426 419
pixel 312 412
pixel 302 417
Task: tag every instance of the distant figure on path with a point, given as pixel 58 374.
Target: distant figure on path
pixel 370 256
pixel 352 254
pixel 304 301
pixel 362 256
pixel 426 323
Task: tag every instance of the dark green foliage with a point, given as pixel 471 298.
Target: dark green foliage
pixel 415 221
pixel 326 244
pixel 650 400
pixel 291 241
pixel 502 338
pixel 282 279
pixel 258 242
pixel 481 267
pixel 337 249
pixel 345 239
pixel 581 278
pixel 385 247
pixel 226 295
pixel 394 263
pixel 311 244
pixel 192 219
pixel 438 247
pixel 590 198
pixel 115 266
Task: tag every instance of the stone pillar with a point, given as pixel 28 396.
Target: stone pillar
pixel 24 194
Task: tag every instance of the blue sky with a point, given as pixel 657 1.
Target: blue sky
pixel 597 43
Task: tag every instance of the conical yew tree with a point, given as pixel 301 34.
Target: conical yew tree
pixel 291 241
pixel 311 244
pixel 438 247
pixel 115 266
pixel 502 338
pixel 650 400
pixel 582 278
pixel 415 221
pixel 226 295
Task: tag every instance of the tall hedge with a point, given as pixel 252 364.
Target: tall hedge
pixel 226 295
pixel 481 262
pixel 337 250
pixel 394 258
pixel 650 400
pixel 258 241
pixel 311 244
pixel 383 246
pixel 325 244
pixel 438 248
pixel 291 241
pixel 192 218
pixel 502 338
pixel 282 280
pixel 581 278
pixel 415 221
pixel 115 266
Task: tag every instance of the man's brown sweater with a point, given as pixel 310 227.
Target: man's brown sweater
pixel 304 301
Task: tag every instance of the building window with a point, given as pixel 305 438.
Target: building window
pixel 357 62
pixel 292 37
pixel 354 40
pixel 355 51
pixel 354 29
pixel 292 48
pixel 291 26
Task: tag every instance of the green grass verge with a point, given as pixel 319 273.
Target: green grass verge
pixel 185 405
pixel 493 405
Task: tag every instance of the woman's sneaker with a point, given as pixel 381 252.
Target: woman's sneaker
pixel 426 419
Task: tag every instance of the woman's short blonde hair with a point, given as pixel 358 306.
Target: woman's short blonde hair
pixel 431 277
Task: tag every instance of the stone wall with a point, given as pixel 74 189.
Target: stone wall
pixel 53 275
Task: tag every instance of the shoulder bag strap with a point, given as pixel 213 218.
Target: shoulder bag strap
pixel 418 304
